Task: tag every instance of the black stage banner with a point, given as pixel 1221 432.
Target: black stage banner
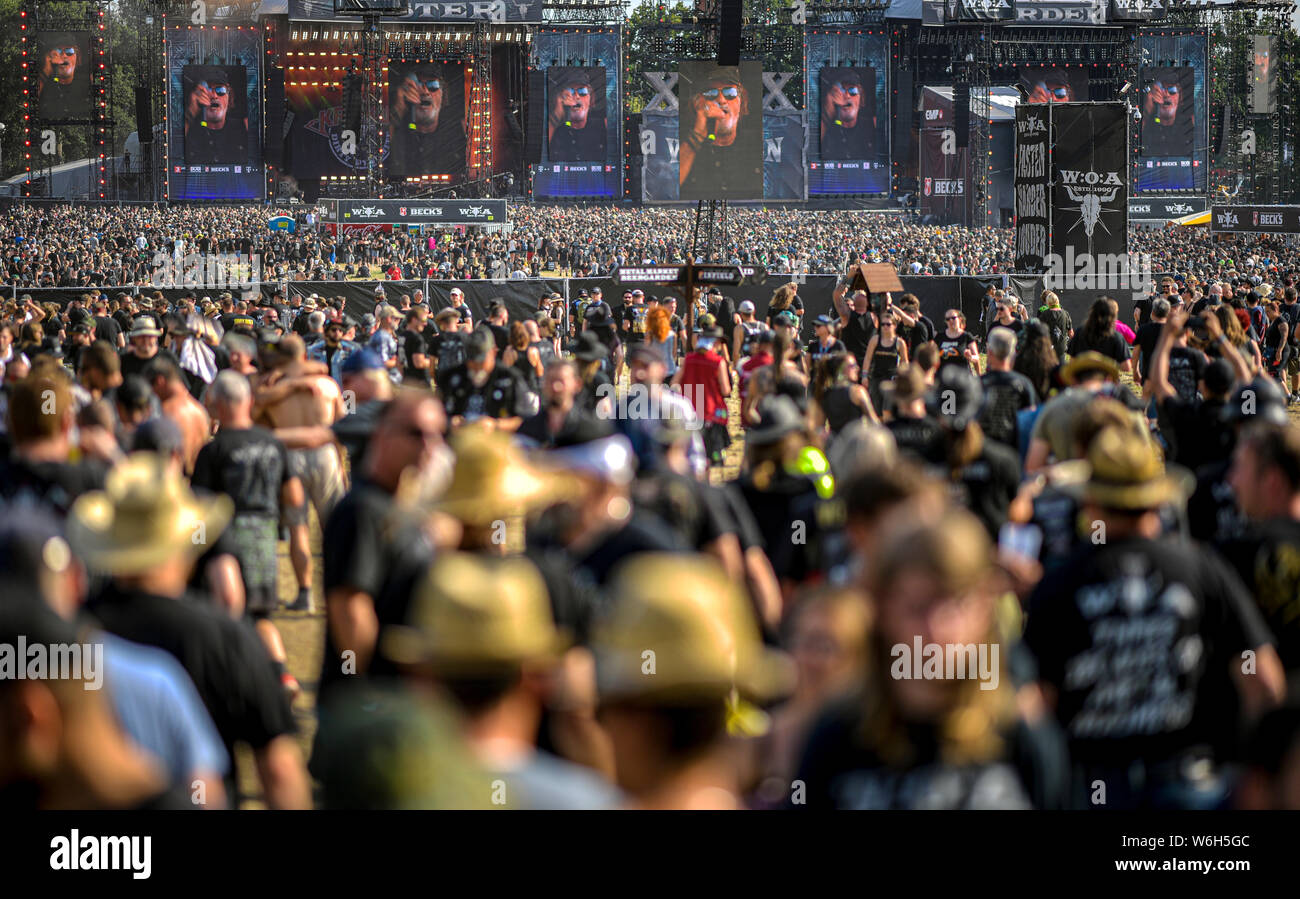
pixel 1255 220
pixel 1162 209
pixel 980 11
pixel 1138 10
pixel 1033 218
pixel 421 212
pixel 943 177
pixel 1090 181
pixel 497 12
pixel 1060 12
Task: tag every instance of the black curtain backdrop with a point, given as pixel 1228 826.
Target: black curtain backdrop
pixel 937 294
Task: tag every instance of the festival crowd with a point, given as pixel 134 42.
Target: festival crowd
pixel 66 246
pixel 647 551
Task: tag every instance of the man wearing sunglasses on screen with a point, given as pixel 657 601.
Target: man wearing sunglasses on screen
pixel 63 92
pixel 428 134
pixel 215 133
pixel 718 113
pixel 1167 127
pixel 1051 87
pixel 848 113
pixel 575 128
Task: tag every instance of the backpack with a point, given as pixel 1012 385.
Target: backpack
pixel 1054 319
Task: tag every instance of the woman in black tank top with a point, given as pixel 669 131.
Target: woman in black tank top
pixel 885 354
pixel 523 356
pixel 839 399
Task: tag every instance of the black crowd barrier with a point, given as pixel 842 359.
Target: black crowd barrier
pixel 936 293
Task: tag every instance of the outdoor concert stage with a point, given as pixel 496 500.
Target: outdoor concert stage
pixel 904 105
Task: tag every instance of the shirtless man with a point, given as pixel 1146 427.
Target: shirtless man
pixel 299 401
pixel 176 402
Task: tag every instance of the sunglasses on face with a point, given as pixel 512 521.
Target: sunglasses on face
pixel 433 84
pixel 852 90
pixel 220 90
pixel 66 51
pixel 580 91
pixel 712 93
pixel 1171 89
pixel 950 318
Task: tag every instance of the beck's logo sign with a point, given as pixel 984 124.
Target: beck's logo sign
pixel 1270 219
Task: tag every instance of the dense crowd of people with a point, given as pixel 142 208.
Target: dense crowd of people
pixel 613 554
pixel 145 246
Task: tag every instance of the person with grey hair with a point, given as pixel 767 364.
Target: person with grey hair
pixel 1007 393
pixel 242 351
pixel 247 463
pixel 384 340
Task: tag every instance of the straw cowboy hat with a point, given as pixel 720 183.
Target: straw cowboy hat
pixel 703 634
pixel 1084 363
pixel 145 515
pixel 493 480
pixel 1125 472
pixel 476 614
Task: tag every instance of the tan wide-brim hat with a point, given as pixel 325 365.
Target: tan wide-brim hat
pixel 145 515
pixel 474 614
pixel 1125 472
pixel 494 480
pixel 680 631
pixel 1084 363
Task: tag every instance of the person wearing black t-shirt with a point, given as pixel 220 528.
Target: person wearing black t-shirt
pixel 140 530
pixel 957 346
pixel 498 323
pixel 1265 477
pixel 1007 393
pixel 1144 342
pixel 364 544
pixel 144 347
pixel 482 389
pixel 446 347
pixel 1191 426
pixel 248 464
pixel 1098 335
pixel 915 432
pixel 413 350
pixel 1149 719
pixel 858 323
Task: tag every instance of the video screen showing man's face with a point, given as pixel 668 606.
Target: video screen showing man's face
pixel 426 115
pixel 63 75
pixel 576 113
pixel 1054 85
pixel 1168 117
pixel 419 98
pixel 720 130
pixel 848 113
pixel 216 123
